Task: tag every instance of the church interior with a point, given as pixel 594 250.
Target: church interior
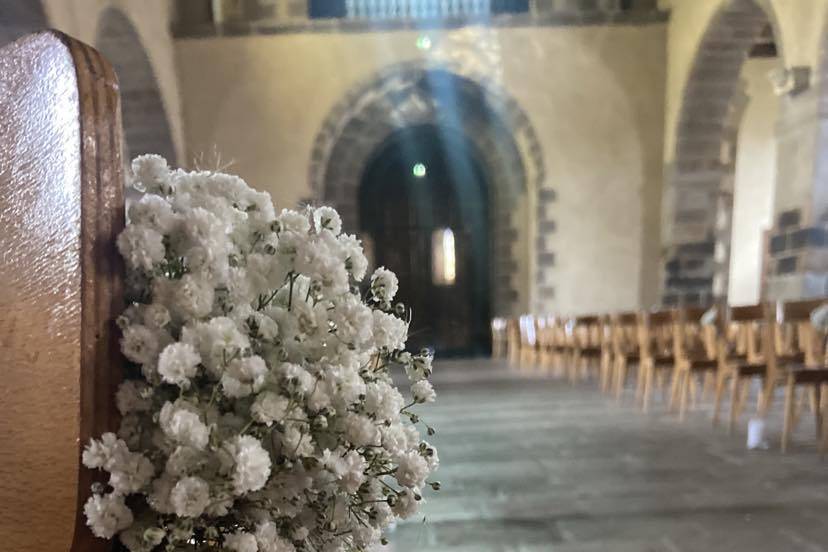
pixel 609 219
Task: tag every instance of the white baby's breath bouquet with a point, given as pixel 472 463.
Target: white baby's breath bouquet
pixel 259 413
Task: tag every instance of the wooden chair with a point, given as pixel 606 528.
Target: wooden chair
pixel 655 346
pixel 513 344
pixel 546 339
pixel 561 344
pixel 529 352
pixel 61 208
pixel 499 337
pixel 624 351
pixel 588 346
pixel 798 360
pixel 741 351
pixel 695 351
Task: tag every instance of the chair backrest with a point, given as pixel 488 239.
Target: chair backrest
pixel 528 331
pixel 745 331
pixel 691 338
pixel 624 332
pixel 589 331
pixel 499 337
pixel 795 334
pixel 61 208
pixel 655 333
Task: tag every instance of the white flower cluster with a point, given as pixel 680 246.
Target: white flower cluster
pixel 260 414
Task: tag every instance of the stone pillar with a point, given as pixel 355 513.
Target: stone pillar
pixel 692 205
pixel 798 245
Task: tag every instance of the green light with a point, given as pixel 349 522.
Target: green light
pixel 419 170
pixel 423 42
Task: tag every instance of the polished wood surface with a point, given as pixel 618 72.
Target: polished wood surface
pixel 61 206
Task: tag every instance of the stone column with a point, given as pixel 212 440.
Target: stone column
pixel 798 245
pixel 692 204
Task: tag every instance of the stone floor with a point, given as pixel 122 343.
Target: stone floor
pixel 529 463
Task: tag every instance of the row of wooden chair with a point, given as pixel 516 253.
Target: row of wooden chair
pixel 686 353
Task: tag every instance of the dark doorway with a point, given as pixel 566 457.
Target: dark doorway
pixel 424 206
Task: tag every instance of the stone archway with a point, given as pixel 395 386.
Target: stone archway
pixel 400 97
pixel 701 191
pixel 20 18
pixel 146 126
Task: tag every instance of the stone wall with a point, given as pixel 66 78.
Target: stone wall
pixel 135 35
pixel 593 95
pixel 709 40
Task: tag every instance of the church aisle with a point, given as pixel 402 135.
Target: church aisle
pixel 529 463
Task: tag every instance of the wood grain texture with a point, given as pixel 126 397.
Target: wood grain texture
pixel 61 207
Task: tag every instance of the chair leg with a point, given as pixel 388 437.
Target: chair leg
pixel 572 368
pixel 674 388
pixel 717 397
pixel 818 410
pixel 767 391
pixel 709 382
pixel 640 382
pixel 693 389
pixel 684 390
pixel 823 439
pixel 744 389
pixel 622 378
pixel 649 374
pixel 734 402
pixel 790 405
pixel 603 374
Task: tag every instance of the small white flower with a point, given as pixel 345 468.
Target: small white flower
pixel 269 540
pixel 193 296
pixel 133 396
pixel 156 316
pixel 241 541
pixel 389 331
pixel 152 174
pixel 183 426
pixel 131 473
pixel 178 363
pixel 140 344
pixel 383 400
pixel 183 460
pixel 153 212
pixel 251 463
pixel 190 497
pixel 360 430
pixel 269 407
pixel 408 502
pixel 159 498
pixel 384 285
pixel 139 537
pixel 296 442
pixel 293 221
pixel 244 376
pixel 412 469
pixel 352 471
pixel 104 453
pixel 107 515
pixel 141 247
pixel 328 219
pixel 423 392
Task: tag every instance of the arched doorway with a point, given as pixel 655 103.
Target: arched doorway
pixel 424 210
pixel 697 267
pixel 146 127
pixel 450 98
